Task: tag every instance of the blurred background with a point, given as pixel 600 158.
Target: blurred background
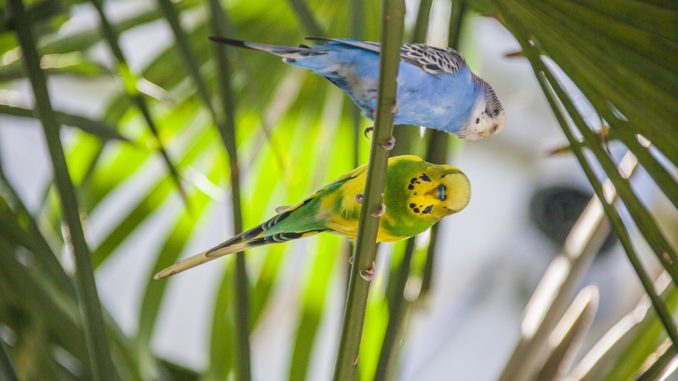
pixel 295 132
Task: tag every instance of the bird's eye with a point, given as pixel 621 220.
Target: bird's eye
pixel 477 120
pixel 441 192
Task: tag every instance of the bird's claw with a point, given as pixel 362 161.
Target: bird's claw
pixel 395 108
pixel 368 273
pixel 388 144
pixel 359 197
pixel 380 210
pixel 367 131
pixel 350 260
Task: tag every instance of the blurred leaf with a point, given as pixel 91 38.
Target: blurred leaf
pixel 314 297
pixel 567 336
pixel 97 128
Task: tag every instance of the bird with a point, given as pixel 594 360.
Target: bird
pixel 436 88
pixel 417 194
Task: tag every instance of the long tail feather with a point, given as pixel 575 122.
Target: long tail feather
pixel 257 236
pixel 199 259
pixel 275 49
pixel 289 54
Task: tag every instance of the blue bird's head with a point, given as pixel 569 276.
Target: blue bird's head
pixel 487 116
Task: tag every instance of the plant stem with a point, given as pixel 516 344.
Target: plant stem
pixel 130 84
pixel 306 18
pixel 357 9
pixel 227 131
pixel 395 314
pixel 663 357
pixel 439 142
pixel 354 313
pixel 90 307
pixel 6 368
pixel 397 282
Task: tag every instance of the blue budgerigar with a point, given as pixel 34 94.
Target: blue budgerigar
pixel 436 89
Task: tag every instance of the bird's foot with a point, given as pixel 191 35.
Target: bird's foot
pixel 389 143
pixel 350 260
pixel 368 130
pixel 380 210
pixel 359 197
pixel 368 273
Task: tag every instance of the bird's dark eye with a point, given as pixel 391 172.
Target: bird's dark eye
pixel 477 120
pixel 441 192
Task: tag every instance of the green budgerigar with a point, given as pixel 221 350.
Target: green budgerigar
pixel 417 194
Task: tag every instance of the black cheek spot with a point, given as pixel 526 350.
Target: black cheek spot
pixel 410 187
pixel 412 180
pixel 416 210
pixel 412 205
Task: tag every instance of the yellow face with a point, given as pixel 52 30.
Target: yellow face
pixel 438 191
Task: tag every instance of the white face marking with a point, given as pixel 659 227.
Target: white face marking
pixel 482 122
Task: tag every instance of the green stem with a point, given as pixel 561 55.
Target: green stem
pixel 354 312
pixel 227 131
pixel 438 144
pixel 6 368
pixel 659 365
pixel 396 302
pixel 306 18
pixel 357 10
pixel 130 84
pixel 395 314
pixel 187 54
pixel 90 307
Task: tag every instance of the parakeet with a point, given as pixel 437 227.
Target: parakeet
pixel 417 194
pixel 436 89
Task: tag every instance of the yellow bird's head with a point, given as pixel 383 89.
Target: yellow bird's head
pixel 438 191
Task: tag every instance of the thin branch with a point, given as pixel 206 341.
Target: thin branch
pixel 306 18
pixel 397 303
pixel 227 132
pixel 354 313
pixel 130 84
pixel 395 315
pixel 6 368
pixel 658 363
pixel 90 307
pixel 438 144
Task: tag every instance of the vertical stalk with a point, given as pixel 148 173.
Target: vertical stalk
pixel 357 9
pixel 130 84
pixel 306 18
pixel 439 142
pixel 227 132
pixel 90 307
pixel 396 313
pixel 396 302
pixel 6 368
pixel 354 313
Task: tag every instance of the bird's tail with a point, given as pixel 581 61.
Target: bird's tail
pixel 289 53
pixel 257 236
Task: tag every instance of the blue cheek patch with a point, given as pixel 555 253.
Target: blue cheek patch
pixel 441 192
